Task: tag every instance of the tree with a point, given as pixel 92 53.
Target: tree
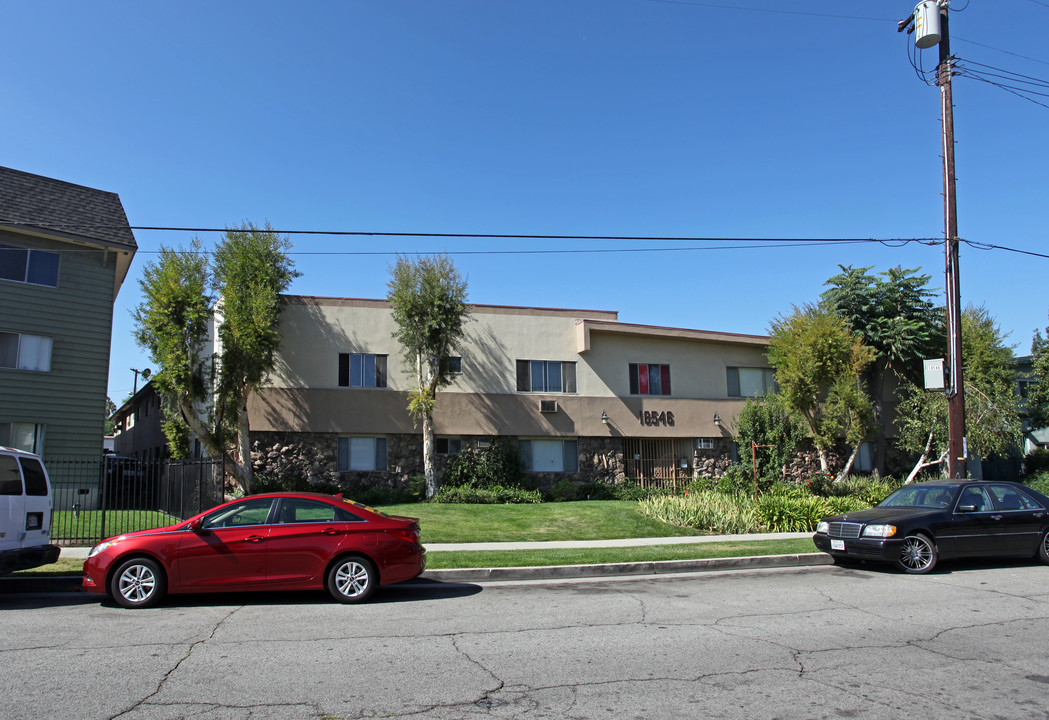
pixel 205 392
pixel 1037 400
pixel 893 314
pixel 818 362
pixel 111 407
pixel 428 299
pixel 769 424
pixel 992 416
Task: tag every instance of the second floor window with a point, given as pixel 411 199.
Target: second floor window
pixel 649 379
pixel 25 352
pixel 362 370
pixel 36 267
pixel 547 376
pixel 750 382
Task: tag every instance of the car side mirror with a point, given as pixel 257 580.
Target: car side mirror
pixel 196 525
pixel 966 508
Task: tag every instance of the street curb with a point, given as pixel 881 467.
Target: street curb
pixel 658 567
pixel 71 583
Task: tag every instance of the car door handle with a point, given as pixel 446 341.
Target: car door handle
pixel 254 538
pixel 331 531
pixel 996 517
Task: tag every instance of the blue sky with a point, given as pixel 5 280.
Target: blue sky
pixel 724 119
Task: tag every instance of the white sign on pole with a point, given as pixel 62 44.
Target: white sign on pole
pixel 934 379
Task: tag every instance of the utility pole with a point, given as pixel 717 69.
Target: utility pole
pixel 931 22
pixel 956 447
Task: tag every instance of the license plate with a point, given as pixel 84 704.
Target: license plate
pixel 837 544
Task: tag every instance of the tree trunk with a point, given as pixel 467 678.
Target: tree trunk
pixel 923 461
pixel 207 438
pixel 428 466
pixel 848 464
pixel 245 471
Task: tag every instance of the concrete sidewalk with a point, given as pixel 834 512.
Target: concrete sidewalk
pixel 662 567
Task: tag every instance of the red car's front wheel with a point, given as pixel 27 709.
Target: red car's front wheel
pixel 138 583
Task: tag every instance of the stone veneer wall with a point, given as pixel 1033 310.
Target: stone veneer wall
pixel 314 457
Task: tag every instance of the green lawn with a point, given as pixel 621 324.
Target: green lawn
pixel 588 520
pixel 593 520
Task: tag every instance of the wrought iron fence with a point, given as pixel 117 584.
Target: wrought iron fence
pixel 96 498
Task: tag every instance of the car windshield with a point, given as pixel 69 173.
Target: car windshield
pixel 918 496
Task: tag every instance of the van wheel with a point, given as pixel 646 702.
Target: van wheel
pixel 138 583
pixel 352 579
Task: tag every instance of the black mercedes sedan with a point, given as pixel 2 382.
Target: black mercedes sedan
pixel 920 524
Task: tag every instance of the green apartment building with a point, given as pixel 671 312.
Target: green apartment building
pixel 65 250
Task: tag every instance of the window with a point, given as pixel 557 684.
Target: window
pixel 447 446
pixel 550 455
pixel 250 511
pixel 362 370
pixel 704 443
pixel 452 365
pixel 750 382
pixel 22 436
pixel 549 376
pixel 35 479
pixel 10 478
pixel 36 267
pixel 295 510
pixel 25 352
pixel 649 379
pixel 362 453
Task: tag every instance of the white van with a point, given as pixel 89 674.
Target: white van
pixel 25 512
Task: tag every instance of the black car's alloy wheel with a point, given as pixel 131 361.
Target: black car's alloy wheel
pixel 918 555
pixel 352 579
pixel 1043 549
pixel 138 583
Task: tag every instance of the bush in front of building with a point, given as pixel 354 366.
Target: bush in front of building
pixel 499 464
pixel 709 510
pixel 494 495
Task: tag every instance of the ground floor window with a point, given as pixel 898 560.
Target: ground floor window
pixel 22 436
pixel 362 454
pixel 560 455
pixel 447 446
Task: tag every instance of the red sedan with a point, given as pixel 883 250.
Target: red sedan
pixel 277 541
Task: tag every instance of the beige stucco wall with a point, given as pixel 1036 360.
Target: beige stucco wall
pixel 304 395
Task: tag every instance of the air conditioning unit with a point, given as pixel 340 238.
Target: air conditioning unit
pixel 548 406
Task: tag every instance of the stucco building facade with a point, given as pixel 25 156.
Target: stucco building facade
pixel 580 394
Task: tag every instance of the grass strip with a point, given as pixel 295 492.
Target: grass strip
pixel 461 559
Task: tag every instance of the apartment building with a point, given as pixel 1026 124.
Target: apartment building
pixel 65 250
pixel 581 394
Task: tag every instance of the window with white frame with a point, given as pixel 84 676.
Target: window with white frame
pixel 362 454
pixel 447 445
pixel 35 267
pixel 649 379
pixel 704 443
pixel 22 436
pixel 362 370
pixel 750 382
pixel 546 376
pixel 25 352
pixel 557 455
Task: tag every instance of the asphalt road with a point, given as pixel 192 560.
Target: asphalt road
pixel 811 642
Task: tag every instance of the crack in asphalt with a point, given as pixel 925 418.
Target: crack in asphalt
pixel 186 656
